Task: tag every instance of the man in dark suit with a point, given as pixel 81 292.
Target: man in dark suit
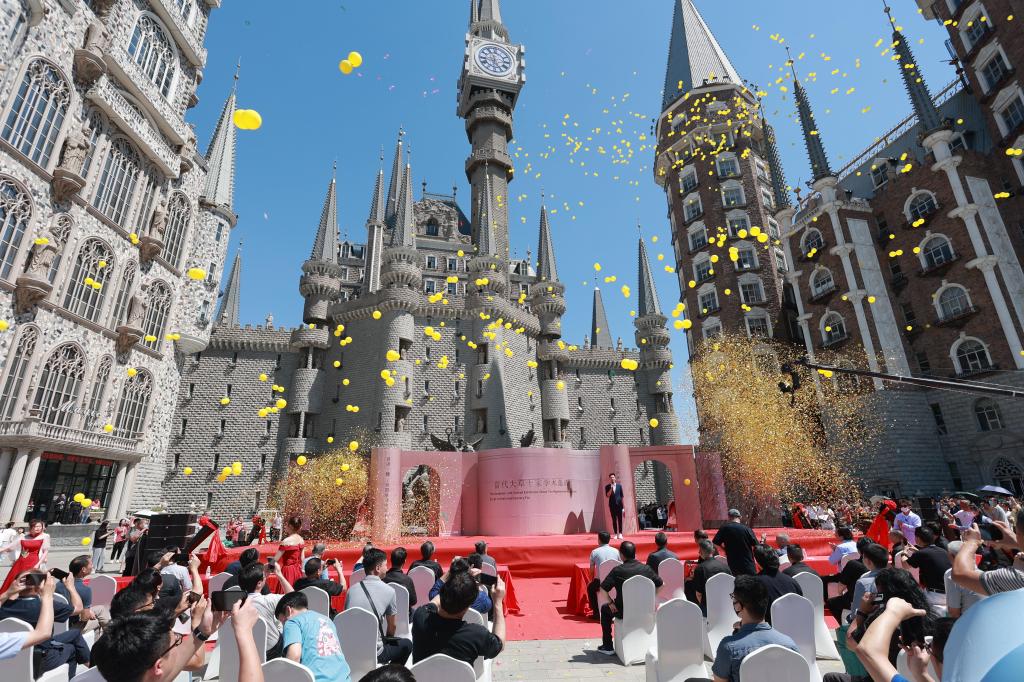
pixel 707 566
pixel 616 499
pixel 629 568
pixel 796 562
pixel 662 553
pixel 396 574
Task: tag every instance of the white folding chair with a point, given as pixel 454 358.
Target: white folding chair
pixel 793 615
pixel 59 599
pixel 357 577
pixel 284 670
pixel 774 663
pixel 679 653
pixel 402 626
pixel 603 569
pixel 903 668
pixel 230 661
pixel 441 668
pixel 481 666
pixel 671 573
pixel 489 569
pixel 847 558
pixel 104 587
pixel 824 645
pixel 216 583
pixel 634 632
pixel 318 599
pixel 721 615
pixel 358 633
pixel 422 579
pixel 916 572
pixel 20 668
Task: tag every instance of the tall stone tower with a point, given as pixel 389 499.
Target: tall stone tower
pixel 492 76
pixel 652 339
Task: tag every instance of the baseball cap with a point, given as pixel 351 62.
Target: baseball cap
pixel 734 513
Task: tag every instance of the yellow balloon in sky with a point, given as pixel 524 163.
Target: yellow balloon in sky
pixel 345 66
pixel 301 460
pixel 355 59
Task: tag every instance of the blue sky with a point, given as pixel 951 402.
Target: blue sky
pixel 594 68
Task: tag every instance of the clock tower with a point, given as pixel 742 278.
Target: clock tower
pixel 492 75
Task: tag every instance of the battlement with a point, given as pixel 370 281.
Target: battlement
pixel 266 338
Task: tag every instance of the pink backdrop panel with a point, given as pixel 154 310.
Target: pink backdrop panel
pixel 679 459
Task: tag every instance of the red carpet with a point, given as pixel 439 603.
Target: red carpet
pixel 543 614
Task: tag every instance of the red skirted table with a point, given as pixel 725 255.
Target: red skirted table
pixel 578 600
pixel 511 604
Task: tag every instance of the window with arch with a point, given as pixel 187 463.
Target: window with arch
pixel 151 50
pixel 59 385
pixel 60 231
pixel 433 228
pixel 732 194
pixel 132 406
pixel 117 182
pixel 99 392
pixel 179 215
pixel 986 411
pixel 119 315
pixel 15 212
pixel 936 251
pixel 972 356
pixel 159 308
pixel 692 208
pixel 812 240
pixel 822 281
pixel 1009 475
pixel 953 302
pixel 922 205
pixel 698 235
pixel 17 368
pixel 37 115
pixel 833 328
pixel 85 291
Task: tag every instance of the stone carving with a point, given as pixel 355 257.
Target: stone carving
pixel 527 439
pixel 89 64
pixel 34 285
pixel 41 258
pixel 137 310
pixel 66 179
pixel 158 225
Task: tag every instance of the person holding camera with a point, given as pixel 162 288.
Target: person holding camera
pixel 24 600
pixel 932 561
pixel 473 563
pixel 314 570
pixel 438 627
pixel 1007 579
pixel 377 597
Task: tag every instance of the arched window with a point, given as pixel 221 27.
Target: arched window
pixel 85 291
pixel 131 409
pixel 986 411
pixel 178 217
pixel 821 281
pixel 156 314
pixel 119 315
pixel 15 211
pixel 152 51
pixel 812 240
pixel 98 393
pixel 922 205
pixel 971 356
pixel 936 251
pixel 60 384
pixel 16 369
pixel 953 301
pixel 433 229
pixel 37 115
pixel 1008 475
pixel 117 182
pixel 833 328
pixel 60 231
pixel 732 194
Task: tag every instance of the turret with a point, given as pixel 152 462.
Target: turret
pixel 779 191
pixel 375 226
pixel 913 80
pixel 654 377
pixel 219 191
pixel 320 283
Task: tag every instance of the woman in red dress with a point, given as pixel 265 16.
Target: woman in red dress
pixel 33 548
pixel 292 551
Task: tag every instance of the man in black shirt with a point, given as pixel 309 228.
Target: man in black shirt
pixel 662 553
pixel 932 562
pixel 848 577
pixel 737 541
pixel 22 600
pixel 313 579
pixel 426 554
pixel 775 581
pixel 396 574
pixel 708 566
pixel 613 581
pixel 796 561
pixel 438 628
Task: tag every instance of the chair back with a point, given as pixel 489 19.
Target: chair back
pixel 773 663
pixel 671 573
pixel 90 675
pixel 284 670
pixel 319 600
pixel 422 579
pixel 441 668
pixel 104 587
pixel 474 616
pixel 720 612
pixel 634 634
pixel 358 633
pixel 793 615
pixel 680 637
pixel 57 600
pixel 216 583
pixel 847 558
pixel 811 586
pixel 19 668
pixel 356 577
pixel 402 626
pixel 489 569
pixel 603 569
pixel 230 659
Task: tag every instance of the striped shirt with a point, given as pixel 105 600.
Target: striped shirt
pixel 1002 580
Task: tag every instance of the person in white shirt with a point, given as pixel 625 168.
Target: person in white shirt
pixel 827 519
pixel 167 566
pixel 994 511
pixel 603 552
pixel 964 517
pixel 845 546
pixel 907 522
pixel 7 536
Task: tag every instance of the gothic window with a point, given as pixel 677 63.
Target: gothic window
pixel 15 211
pixel 178 217
pixel 1008 475
pixel 117 182
pixel 60 384
pixel 37 115
pixel 60 231
pixel 124 295
pixel 156 314
pixel 953 301
pixel 922 205
pixel 85 290
pixel 971 356
pixel 812 240
pixel 833 328
pixel 131 409
pixel 96 124
pixel 144 207
pixel 936 251
pixel 821 281
pixel 99 392
pixel 987 413
pixel 16 369
pixel 152 51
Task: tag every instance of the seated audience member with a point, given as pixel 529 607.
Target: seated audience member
pixel 426 559
pixel 318 553
pixel 958 599
pixel 897 543
pixel 24 600
pixel 90 617
pixel 781 543
pixel 481 548
pixel 13 642
pixel 312 578
pixel 603 552
pixel 699 535
pixel 968 575
pixel 875 645
pixel 940 538
pixel 362 558
pixel 932 562
pixel 482 604
pixel 438 628
pixel 795 554
pixel 249 556
pixel 707 566
pixel 373 595
pixel 252 579
pixel 875 558
pixel 660 554
pixel 396 574
pixel 846 545
pixel 847 577
pixel 311 639
pixel 775 581
pixel 613 581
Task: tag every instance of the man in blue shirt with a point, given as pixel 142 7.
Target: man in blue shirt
pixel 310 639
pixel 845 546
pixel 750 602
pixel 90 617
pixel 875 558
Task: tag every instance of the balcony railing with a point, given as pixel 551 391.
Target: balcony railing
pixel 835 340
pixel 34 432
pixel 129 72
pixel 936 268
pixel 824 293
pixel 126 117
pixel 186 36
pixel 973 371
pixel 959 316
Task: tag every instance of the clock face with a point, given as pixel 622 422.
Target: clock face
pixel 495 60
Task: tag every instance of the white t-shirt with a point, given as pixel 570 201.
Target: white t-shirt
pixel 179 572
pixel 265 605
pixel 964 518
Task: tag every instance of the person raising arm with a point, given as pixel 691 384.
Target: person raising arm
pixel 12 643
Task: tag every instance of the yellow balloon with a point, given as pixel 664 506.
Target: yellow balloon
pixel 281 403
pixel 236 468
pixel 263 377
pixel 376 314
pixel 355 59
pixel 330 439
pixel 225 400
pixel 86 540
pixel 225 471
pixel 188 471
pixel 353 446
pixel 346 467
pixel 108 427
pixel 653 422
pixel 393 356
pixel 87 502
pixel 345 66
pixel 78 497
pixel 338 481
pixel 686 481
pixel 301 460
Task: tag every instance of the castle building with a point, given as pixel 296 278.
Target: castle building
pixel 106 206
pixel 908 256
pixel 428 329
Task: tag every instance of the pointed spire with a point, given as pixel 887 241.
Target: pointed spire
pixel 377 210
pixel 599 331
pixel 227 314
pixel 220 157
pixel 812 137
pixel 405 220
pixel 325 248
pixel 647 297
pixel 913 80
pixel 546 267
pixel 395 185
pixel 474 12
pixel 694 55
pixel 486 244
pixel 485 20
pixel 490 10
pixel 779 192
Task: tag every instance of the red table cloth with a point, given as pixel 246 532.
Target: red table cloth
pixel 578 601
